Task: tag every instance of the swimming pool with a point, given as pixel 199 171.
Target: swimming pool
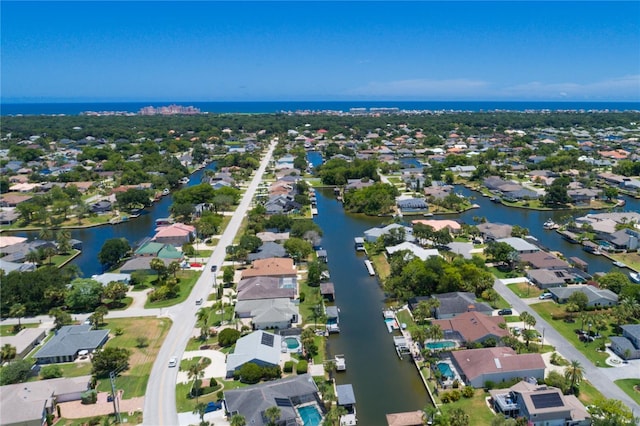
pixel 293 343
pixel 310 415
pixel 445 344
pixel 446 371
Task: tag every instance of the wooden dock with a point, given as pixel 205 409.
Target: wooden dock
pixel 369 266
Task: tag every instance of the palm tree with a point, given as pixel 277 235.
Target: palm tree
pixel 196 372
pixel 203 316
pixel 419 334
pixel 63 238
pixel 238 420
pixel 45 234
pixel 49 252
pixel 200 410
pixel 17 310
pixel 333 415
pixel 273 415
pixel 8 352
pixel 574 373
pixel 33 257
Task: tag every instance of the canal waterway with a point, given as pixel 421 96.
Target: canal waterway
pixel 133 230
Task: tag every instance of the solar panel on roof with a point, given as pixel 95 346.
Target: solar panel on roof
pixel 547 400
pixel 267 339
pixel 283 402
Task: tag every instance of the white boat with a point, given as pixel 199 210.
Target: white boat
pixel 341 364
pixel 619 264
pixel 165 191
pixel 184 180
pixel 635 277
pixel 550 224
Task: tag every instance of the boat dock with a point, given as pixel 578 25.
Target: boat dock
pixel 402 348
pixel 347 400
pixel 390 321
pixel 359 243
pixel 369 266
pixel 341 364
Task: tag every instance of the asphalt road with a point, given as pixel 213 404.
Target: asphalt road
pixel 160 398
pixel 601 378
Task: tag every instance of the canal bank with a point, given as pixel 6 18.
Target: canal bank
pixel 382 382
pixel 134 230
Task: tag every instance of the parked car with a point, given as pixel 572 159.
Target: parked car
pixel 199 301
pixel 544 296
pixel 173 361
pixel 214 268
pixel 506 311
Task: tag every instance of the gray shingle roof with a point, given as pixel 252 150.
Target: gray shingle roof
pixel 345 394
pixel 73 338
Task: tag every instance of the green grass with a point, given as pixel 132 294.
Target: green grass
pixel 312 298
pixel 588 393
pixel 134 380
pixel 628 386
pixel 194 343
pixel 59 259
pixel 404 317
pixel 525 290
pixel 187 281
pixel 7 330
pixel 504 274
pixel 476 407
pixel 630 259
pixel 568 331
pixel 499 303
pixel 135 418
pixel 512 318
pixel 123 304
pixel 75 369
pixel 381 266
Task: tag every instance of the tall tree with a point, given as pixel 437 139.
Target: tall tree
pixel 574 373
pixel 18 310
pixel 273 415
pixel 8 352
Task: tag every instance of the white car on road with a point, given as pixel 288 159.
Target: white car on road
pixel 173 361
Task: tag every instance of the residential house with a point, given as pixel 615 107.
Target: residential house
pixel 281 204
pixel 540 405
pixel 472 327
pixel 271 267
pixel 160 250
pixel 497 364
pixel 287 394
pixel 110 277
pixel 175 234
pixel 14 266
pixel 272 236
pixel 357 184
pixel 276 313
pixel 30 403
pixel 267 250
pixel 12 200
pixel 494 231
pixel 414 249
pixel 627 346
pixel 18 252
pixel 266 288
pixel 25 340
pixel 258 347
pixel 68 341
pixel 456 303
pixel 520 245
pixel 407 418
pixel 543 260
pixel 583 196
pixel 372 234
pixel 438 224
pixel 143 264
pixel 624 239
pixel 102 206
pixel 598 297
pixel 412 205
pixel 548 278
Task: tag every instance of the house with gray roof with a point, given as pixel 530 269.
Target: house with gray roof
pixel 627 346
pixel 277 313
pixel 287 394
pixel 259 347
pixel 28 404
pixel 110 277
pixel 25 340
pixel 372 234
pixel 548 278
pixel 597 297
pixel 625 239
pixel 267 250
pixel 520 245
pixel 455 303
pixel 494 231
pixel 262 287
pixel 68 341
pixel 412 205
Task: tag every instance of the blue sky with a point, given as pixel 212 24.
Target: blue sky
pixel 302 50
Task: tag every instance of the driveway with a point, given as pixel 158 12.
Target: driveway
pixel 601 378
pixel 217 368
pixel 78 410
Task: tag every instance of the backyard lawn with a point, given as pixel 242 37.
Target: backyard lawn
pixel 134 380
pixel 8 330
pixel 187 281
pixel 381 265
pixel 476 407
pixel 525 290
pixel 630 259
pixel 631 387
pixel 568 331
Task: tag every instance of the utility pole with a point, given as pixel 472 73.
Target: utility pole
pixel 116 411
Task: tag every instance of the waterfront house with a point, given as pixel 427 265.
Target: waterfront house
pixel 267 236
pixel 624 239
pixel 287 394
pixel 14 266
pixel 102 206
pixel 24 341
pixel 583 196
pixel 110 277
pixel 627 346
pixel 412 205
pixel 68 341
pixel 12 200
pixel 272 267
pixel 540 405
pixel 494 231
pixel 543 260
pixel 414 249
pixel 160 250
pixel 259 347
pixel 266 288
pixel 276 313
pixel 267 250
pixel 598 298
pixel 142 263
pixel 372 234
pixel 520 245
pixel 407 418
pixel 473 327
pixel 175 234
pixel 456 303
pixel 547 278
pixel 30 403
pixel 498 364
pixel 438 224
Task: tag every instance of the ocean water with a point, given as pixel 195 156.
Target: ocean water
pixel 272 107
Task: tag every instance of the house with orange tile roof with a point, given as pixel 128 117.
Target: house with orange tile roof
pixel 271 267
pixel 437 225
pixel 472 327
pixel 175 234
